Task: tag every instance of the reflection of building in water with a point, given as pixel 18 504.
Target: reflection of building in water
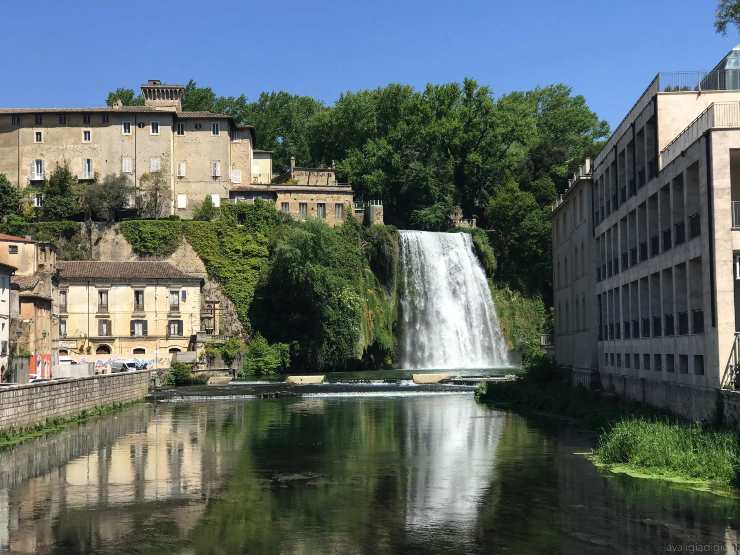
pixel 106 494
pixel 450 470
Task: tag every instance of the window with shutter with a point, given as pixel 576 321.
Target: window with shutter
pixel 182 169
pixel 155 164
pixel 216 200
pixel 126 128
pixel 236 176
pixel 216 168
pixel 182 201
pixel 126 166
pixel 154 128
pixel 87 168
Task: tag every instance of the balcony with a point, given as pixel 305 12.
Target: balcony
pixel 102 309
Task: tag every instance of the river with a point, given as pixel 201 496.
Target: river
pixel 429 473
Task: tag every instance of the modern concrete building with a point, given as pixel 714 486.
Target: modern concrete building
pixel 123 311
pixel 646 247
pixel 199 154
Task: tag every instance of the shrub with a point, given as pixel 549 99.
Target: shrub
pixel 522 319
pixel 263 359
pixel 180 373
pixel 152 237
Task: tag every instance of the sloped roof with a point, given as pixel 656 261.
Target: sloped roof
pixel 14 238
pixel 126 271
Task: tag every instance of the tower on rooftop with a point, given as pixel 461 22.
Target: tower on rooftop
pixel 161 95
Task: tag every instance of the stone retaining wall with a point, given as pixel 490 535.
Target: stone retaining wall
pixel 697 404
pixel 27 405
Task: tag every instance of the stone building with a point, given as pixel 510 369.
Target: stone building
pixel 6 270
pixel 647 247
pixel 123 311
pixel 33 320
pixel 199 154
pixel 303 193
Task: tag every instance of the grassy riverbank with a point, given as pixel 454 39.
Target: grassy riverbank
pixel 633 439
pixel 14 436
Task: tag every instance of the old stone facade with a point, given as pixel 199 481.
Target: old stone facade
pixel 113 312
pixel 646 247
pixel 199 154
pixel 303 193
pixel 33 321
pixel 5 272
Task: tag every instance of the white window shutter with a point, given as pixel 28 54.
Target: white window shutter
pixel 182 169
pixel 182 200
pixel 216 200
pixel 32 175
pixel 236 176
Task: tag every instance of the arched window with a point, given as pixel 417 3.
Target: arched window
pixel 174 350
pixel 102 350
pixel 139 351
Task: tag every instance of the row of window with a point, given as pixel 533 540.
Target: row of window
pixel 38 119
pixel 175 297
pixel 320 210
pixel 571 215
pixel 663 304
pixel 126 126
pixel 137 328
pixel 38 168
pixel 634 166
pixel 657 362
pixel 654 227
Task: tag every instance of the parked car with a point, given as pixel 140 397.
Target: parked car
pixel 127 366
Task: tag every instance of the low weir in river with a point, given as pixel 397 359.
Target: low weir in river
pixel 448 318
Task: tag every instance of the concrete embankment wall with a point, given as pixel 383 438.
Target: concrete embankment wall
pixel 27 405
pixel 697 404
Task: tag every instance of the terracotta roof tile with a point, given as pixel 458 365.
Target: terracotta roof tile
pixel 14 238
pixel 143 269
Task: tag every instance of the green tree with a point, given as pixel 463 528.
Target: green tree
pixel 520 236
pixel 61 195
pixel 727 13
pixel 11 198
pixel 127 97
pixel 197 99
pixel 205 211
pixel 153 198
pixel 104 201
pixel 263 359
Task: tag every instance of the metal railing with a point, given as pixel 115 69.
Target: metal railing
pixel 731 376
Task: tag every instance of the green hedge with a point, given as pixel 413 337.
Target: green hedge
pixel 522 319
pixel 152 237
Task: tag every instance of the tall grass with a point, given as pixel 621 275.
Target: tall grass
pixel 688 451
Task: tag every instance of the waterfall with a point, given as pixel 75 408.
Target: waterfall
pixel 448 317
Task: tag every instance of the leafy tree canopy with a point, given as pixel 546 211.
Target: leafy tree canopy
pixel 727 13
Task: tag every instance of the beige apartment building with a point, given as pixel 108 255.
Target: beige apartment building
pixel 33 317
pixel 126 311
pixel 199 154
pixel 6 270
pixel 662 311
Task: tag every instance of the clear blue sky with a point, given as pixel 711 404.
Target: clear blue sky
pixel 63 53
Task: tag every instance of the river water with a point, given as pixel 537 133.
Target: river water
pixel 431 473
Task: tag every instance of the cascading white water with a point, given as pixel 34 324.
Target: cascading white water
pixel 448 317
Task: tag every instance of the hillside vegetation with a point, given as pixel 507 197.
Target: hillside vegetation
pixel 328 293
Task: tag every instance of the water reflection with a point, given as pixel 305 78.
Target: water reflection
pixel 316 475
